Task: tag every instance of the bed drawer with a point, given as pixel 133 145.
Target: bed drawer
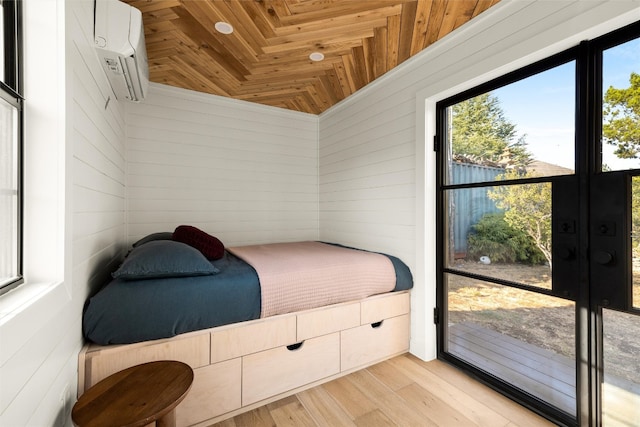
pixel 328 320
pixel 275 371
pixel 366 344
pixel 99 364
pixel 252 337
pixel 384 307
pixel 215 391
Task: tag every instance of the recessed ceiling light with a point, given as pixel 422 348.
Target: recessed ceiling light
pixel 224 27
pixel 316 56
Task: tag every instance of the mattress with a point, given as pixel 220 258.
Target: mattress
pixel 127 311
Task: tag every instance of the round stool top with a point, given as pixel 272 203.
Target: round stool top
pixel 136 396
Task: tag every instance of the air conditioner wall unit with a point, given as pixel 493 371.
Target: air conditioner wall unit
pixel 119 42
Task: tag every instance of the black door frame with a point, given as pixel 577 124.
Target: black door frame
pixel 589 226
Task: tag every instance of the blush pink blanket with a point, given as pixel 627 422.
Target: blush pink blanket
pixel 303 275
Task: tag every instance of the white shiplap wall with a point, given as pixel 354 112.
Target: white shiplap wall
pixel 243 172
pixel 376 163
pixel 246 173
pixel 97 135
pixel 75 212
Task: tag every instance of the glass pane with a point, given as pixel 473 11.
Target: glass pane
pixel 519 130
pixel 494 231
pixel 2 53
pixel 525 338
pixel 8 193
pixel 635 239
pixel 621 387
pixel 621 112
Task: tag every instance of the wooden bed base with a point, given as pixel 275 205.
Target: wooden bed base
pixel 245 365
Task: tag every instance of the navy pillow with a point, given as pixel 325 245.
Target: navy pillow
pixel 164 258
pixel 163 235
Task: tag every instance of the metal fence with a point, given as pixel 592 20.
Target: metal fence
pixel 470 204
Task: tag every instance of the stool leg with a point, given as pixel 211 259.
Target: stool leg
pixel 168 420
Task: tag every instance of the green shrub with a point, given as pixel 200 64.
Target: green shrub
pixel 493 237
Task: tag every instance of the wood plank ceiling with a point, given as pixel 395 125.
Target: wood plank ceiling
pixel 266 58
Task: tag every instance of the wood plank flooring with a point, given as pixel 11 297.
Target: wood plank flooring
pixel 403 391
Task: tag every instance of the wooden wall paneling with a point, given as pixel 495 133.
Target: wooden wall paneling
pixel 454 14
pixel 236 15
pixel 393 40
pixel 368 50
pixel 482 5
pixel 198 78
pixel 275 9
pixel 317 10
pixel 380 43
pixel 332 81
pixel 235 47
pixel 319 92
pixel 408 28
pixel 350 73
pixel 335 25
pixel 361 76
pixel 202 40
pixel 147 6
pixel 436 19
pixel 260 18
pixel 346 84
pixel 273 39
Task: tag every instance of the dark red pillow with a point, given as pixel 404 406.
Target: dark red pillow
pixel 210 246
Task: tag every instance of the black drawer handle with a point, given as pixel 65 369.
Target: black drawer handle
pixel 377 324
pixel 296 346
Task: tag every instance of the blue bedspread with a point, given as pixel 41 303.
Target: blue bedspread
pixel 128 311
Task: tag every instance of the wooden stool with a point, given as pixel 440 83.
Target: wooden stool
pixel 136 396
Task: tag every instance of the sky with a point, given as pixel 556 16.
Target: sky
pixel 543 107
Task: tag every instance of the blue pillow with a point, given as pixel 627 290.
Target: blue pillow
pixel 164 258
pixel 163 235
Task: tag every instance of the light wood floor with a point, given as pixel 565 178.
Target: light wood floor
pixel 403 391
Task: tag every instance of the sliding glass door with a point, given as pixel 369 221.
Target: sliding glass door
pixel 538 242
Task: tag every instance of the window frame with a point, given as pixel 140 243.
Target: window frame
pixel 11 91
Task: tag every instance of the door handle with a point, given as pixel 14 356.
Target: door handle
pixel 603 257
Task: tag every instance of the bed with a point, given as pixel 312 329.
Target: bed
pixel 256 323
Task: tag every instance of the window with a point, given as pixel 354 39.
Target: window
pixel 11 111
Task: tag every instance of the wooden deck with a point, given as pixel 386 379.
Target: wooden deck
pixel 541 372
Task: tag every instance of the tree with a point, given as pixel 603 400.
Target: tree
pixel 527 207
pixel 635 216
pixel 621 127
pixel 481 130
